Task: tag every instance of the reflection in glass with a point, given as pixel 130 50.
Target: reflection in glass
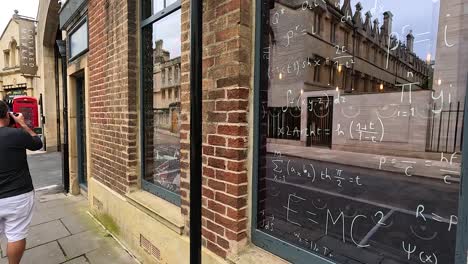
pixel 360 130
pixel 79 40
pixel 151 7
pixel 162 102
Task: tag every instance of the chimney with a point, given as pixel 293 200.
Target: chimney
pixel 387 24
pixel 410 41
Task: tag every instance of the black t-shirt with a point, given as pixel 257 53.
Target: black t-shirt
pixel 15 178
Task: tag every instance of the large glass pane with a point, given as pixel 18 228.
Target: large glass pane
pixel 79 40
pixel 151 7
pixel 361 121
pixel 162 102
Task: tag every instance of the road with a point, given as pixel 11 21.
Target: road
pixel 46 169
pixel 317 205
pixel 167 161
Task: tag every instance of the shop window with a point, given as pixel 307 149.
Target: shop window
pixel 161 46
pixel 374 177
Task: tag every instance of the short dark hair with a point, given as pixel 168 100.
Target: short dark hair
pixel 3 109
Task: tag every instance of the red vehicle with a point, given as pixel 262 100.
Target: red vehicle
pixel 27 106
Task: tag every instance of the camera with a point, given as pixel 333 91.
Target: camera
pixel 12 121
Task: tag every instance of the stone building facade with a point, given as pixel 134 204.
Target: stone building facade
pixel 166 89
pixel 31 69
pixel 343 53
pixel 14 80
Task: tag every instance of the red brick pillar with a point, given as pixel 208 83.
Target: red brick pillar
pixel 226 90
pixel 112 98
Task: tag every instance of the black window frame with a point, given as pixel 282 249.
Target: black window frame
pixel 287 250
pixel 174 198
pixel 75 28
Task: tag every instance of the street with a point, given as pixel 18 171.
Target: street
pixel 380 215
pixel 46 169
pixel 167 160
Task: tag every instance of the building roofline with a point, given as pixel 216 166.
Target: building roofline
pixel 13 18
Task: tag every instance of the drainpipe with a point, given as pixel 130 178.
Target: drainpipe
pixel 61 44
pixel 196 52
pixel 57 99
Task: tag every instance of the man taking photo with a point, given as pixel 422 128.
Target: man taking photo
pixel 16 187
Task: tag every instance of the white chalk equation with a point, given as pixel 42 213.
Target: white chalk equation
pixel 448 166
pixel 359 228
pixel 284 170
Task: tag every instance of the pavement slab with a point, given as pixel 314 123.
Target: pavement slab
pixel 62 231
pixel 81 243
pixel 47 254
pixel 45 233
pixel 79 260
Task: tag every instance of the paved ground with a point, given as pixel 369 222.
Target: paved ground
pixel 46 169
pixel 62 230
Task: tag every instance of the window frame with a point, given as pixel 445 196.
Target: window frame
pixel 289 251
pixel 75 28
pixel 174 198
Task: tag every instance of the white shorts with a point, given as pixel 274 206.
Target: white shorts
pixel 16 216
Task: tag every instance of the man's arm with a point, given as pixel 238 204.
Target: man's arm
pixel 31 140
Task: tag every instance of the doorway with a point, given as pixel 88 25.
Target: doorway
pixel 81 132
pixel 319 121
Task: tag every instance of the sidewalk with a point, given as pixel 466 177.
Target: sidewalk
pixel 414 166
pixel 62 231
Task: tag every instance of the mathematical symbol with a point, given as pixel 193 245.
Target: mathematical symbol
pixel 325 175
pixel 437 218
pixel 340 132
pixel 339 180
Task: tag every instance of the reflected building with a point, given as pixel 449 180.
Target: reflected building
pixel 341 63
pixel 450 77
pixel 166 85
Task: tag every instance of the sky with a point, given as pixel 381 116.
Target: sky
pixel 421 16
pixel 25 8
pixel 168 30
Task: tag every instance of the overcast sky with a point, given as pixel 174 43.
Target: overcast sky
pixel 421 16
pixel 25 8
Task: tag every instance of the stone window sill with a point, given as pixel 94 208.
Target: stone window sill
pixel 253 253
pixel 164 212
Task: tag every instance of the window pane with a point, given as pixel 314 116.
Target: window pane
pixel 158 5
pixel 79 40
pixel 162 110
pixel 170 2
pixel 150 7
pixel 361 132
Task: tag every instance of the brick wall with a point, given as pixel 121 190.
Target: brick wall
pixel 226 81
pixel 113 92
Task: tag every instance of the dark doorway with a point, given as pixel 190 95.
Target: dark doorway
pixel 81 131
pixel 319 121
